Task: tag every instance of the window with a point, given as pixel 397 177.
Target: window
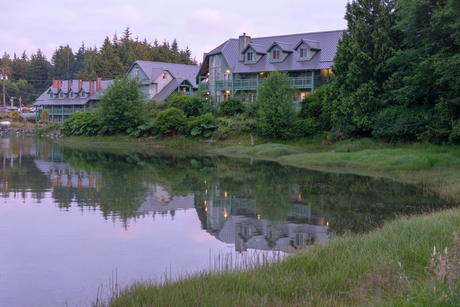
pixel 295 97
pixel 303 95
pixel 71 95
pixel 51 95
pixel 215 69
pixel 228 77
pixel 61 95
pixel 165 75
pixel 275 55
pixel 303 52
pixel 218 98
pixel 82 94
pixel 136 72
pixel 250 56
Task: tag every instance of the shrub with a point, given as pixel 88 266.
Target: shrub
pixel 234 126
pixel 15 115
pixel 203 125
pixel 399 123
pixel 147 129
pixel 191 106
pixel 276 114
pixel 313 106
pixel 308 126
pixel 44 118
pixel 86 123
pixel 231 106
pixel 154 107
pixel 48 129
pixel 171 121
pixel 123 106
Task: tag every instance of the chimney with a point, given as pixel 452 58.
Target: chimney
pixel 70 84
pixel 91 87
pixel 55 83
pixel 80 84
pixel 98 84
pixel 59 85
pixel 242 43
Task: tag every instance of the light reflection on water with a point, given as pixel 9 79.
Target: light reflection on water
pixel 70 218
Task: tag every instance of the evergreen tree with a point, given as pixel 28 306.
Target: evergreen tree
pixel 111 66
pixel 40 71
pixel 357 89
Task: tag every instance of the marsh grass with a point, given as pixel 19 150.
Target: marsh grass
pixel 389 266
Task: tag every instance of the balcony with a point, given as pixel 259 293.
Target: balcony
pixel 251 84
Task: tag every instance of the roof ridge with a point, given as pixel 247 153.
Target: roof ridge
pixel 330 31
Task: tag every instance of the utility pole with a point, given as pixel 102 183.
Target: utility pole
pixel 3 81
pixel 20 104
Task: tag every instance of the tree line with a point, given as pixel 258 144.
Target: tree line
pixel 396 73
pixel 29 77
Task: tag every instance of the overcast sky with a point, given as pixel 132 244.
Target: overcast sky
pixel 199 24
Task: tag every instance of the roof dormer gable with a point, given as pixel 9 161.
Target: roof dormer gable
pixel 62 94
pixel 279 51
pixel 83 94
pixel 51 94
pixel 253 53
pixel 72 94
pixel 306 49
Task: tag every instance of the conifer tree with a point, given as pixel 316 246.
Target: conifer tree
pixel 360 66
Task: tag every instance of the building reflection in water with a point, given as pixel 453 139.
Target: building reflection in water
pixel 236 221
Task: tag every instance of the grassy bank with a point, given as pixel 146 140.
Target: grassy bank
pixel 385 267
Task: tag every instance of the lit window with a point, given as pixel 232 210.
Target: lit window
pixel 276 54
pixel 165 75
pixel 136 72
pixel 303 95
pixel 303 52
pixel 250 56
pixel 295 97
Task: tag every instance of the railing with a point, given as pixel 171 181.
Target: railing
pixel 251 84
pixel 63 111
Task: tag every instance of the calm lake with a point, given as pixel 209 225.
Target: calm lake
pixel 75 221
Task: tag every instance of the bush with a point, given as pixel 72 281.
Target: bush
pixel 148 129
pixel 123 106
pixel 231 106
pixel 15 115
pixel 276 114
pixel 48 129
pixel 171 121
pixel 203 125
pixel 86 123
pixel 154 107
pixel 313 106
pixel 234 126
pixel 191 106
pixel 308 126
pixel 44 118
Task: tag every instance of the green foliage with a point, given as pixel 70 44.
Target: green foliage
pixel 171 121
pixel 314 107
pixel 154 107
pixel 308 126
pixel 83 123
pixel 44 118
pixel 48 129
pixel 15 115
pixel 234 126
pixel 190 105
pixel 356 92
pixel 203 125
pixel 144 130
pixel 276 114
pixel 123 106
pixel 231 106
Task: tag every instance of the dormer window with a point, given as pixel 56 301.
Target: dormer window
pixel 83 94
pixel 250 56
pixel 304 52
pixel 61 95
pixel 136 72
pixel 165 75
pixel 71 95
pixel 51 95
pixel 276 54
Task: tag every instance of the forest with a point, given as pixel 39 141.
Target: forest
pixel 29 77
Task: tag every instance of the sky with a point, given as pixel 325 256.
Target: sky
pixel 201 25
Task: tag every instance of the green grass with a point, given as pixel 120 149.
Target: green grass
pixel 385 267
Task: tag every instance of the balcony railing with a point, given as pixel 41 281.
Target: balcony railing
pixel 251 84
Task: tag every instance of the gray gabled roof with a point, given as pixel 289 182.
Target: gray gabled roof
pixel 153 69
pixel 326 42
pixel 286 47
pixel 260 49
pixel 44 99
pixel 168 89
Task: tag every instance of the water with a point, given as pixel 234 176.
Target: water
pixel 74 222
